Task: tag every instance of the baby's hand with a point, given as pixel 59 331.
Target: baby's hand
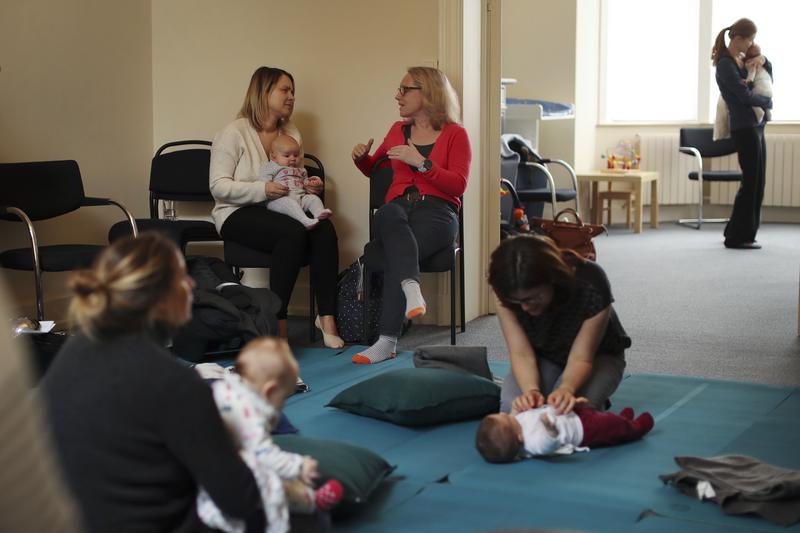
pixel 309 470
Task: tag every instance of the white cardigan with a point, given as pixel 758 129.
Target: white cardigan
pixel 236 157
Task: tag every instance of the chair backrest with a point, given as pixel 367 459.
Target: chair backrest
pixel 43 189
pixel 703 140
pixel 180 173
pixel 314 168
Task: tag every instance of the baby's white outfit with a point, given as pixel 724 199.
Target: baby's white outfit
pixel 250 418
pixel 298 201
pixel 536 439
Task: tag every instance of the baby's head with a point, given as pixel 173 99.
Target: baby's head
pixel 499 438
pixel 285 151
pixel 753 51
pixel 268 367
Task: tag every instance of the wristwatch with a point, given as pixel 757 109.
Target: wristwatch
pixel 425 166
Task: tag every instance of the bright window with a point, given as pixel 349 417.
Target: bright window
pixel 656 57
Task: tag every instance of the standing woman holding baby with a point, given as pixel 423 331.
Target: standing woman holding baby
pixel 237 155
pixel 746 129
pixel 430 155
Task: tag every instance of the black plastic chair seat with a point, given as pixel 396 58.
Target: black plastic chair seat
pixel 544 195
pixel 180 231
pixel 441 261
pixel 53 258
pixel 718 175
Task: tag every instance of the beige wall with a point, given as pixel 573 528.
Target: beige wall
pixel 75 83
pixel 538 49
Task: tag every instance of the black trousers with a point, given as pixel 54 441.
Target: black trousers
pixel 409 232
pixel 290 243
pixel 746 216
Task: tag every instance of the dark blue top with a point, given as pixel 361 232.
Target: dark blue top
pixel 738 96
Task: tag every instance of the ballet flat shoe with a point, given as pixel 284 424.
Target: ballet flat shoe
pixel 330 341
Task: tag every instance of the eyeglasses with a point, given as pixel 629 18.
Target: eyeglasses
pixel 403 89
pixel 530 301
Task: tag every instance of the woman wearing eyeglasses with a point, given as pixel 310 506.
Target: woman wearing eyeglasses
pixel 430 155
pixel 564 339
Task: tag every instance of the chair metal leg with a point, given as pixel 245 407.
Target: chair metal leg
pixel 312 328
pixel 37 265
pixel 365 304
pixel 453 303
pixel 462 291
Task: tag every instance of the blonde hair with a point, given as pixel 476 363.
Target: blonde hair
pixel 440 99
pixel 254 108
pixel 267 358
pixel 121 292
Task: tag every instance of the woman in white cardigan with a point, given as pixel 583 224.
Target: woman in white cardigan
pixel 237 153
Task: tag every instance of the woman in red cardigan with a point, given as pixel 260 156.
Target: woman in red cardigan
pixel 430 155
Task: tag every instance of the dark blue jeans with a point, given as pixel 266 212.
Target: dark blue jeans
pixel 409 233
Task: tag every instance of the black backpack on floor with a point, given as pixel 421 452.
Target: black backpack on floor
pixel 350 304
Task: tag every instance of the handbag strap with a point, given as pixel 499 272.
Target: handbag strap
pixel 569 211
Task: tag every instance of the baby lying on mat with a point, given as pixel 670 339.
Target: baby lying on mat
pixel 503 437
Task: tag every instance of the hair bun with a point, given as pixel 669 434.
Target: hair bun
pixel 85 283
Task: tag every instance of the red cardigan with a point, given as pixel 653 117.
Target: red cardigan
pixel 451 157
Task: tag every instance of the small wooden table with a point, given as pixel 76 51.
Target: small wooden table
pixel 635 177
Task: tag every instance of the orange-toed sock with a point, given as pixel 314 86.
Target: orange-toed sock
pixel 415 303
pixel 385 348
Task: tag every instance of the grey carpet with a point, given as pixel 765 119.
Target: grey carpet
pixel 691 306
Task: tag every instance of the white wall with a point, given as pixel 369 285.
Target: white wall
pixel 75 83
pixel 538 49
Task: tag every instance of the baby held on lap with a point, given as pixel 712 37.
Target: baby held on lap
pixel 250 402
pixel 503 437
pixel 285 166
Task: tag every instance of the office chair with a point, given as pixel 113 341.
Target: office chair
pixel 446 260
pixel 699 143
pixel 43 190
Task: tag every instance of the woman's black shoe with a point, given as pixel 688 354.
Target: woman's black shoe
pixel 743 246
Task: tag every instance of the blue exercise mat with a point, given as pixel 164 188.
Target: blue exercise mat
pixel 442 484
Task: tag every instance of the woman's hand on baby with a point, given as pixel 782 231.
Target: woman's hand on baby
pixel 275 190
pixel 407 153
pixel 313 185
pixel 360 150
pixel 309 470
pixel 563 400
pixel 528 400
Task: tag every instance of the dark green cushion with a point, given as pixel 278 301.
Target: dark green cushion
pixel 359 470
pixel 421 396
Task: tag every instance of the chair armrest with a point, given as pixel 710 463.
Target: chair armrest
pixel 94 201
pixel 550 181
pixel 507 185
pixel 690 150
pixel 573 176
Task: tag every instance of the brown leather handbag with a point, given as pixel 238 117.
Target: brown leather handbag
pixel 575 236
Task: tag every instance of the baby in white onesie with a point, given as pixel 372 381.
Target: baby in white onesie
pixel 285 167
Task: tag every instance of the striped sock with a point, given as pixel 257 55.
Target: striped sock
pixel 385 348
pixel 415 303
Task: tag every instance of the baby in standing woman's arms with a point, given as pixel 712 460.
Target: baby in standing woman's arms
pixel 286 167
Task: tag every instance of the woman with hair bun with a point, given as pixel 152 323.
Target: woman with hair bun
pixel 136 430
pixel 746 129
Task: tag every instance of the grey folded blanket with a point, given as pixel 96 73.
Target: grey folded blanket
pixel 470 359
pixel 742 485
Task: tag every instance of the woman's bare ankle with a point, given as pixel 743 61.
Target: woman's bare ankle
pixel 328 323
pixel 283 329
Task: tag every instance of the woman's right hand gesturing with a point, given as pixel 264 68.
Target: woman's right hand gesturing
pixel 275 190
pixel 360 150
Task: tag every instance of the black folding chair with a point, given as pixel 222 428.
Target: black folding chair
pixel 39 191
pixel 700 144
pixel 178 173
